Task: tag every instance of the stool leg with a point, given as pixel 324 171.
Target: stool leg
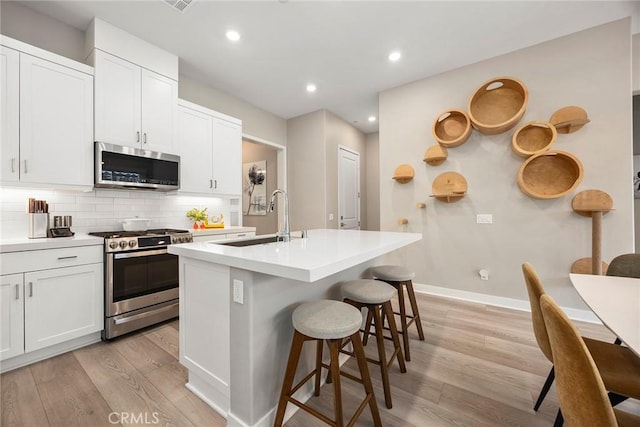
pixel 318 366
pixel 386 308
pixel 358 350
pixel 403 322
pixel 367 328
pixel 334 349
pixel 382 356
pixel 289 375
pixel 414 308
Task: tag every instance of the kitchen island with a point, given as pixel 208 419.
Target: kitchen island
pixel 236 305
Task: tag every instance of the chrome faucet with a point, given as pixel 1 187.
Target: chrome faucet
pixel 285 234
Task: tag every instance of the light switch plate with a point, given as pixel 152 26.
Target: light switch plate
pixel 238 293
pixel 484 219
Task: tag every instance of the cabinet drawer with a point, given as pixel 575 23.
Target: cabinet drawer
pixel 18 262
pixel 209 238
pixel 241 235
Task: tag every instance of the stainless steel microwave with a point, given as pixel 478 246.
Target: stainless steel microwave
pixel 131 168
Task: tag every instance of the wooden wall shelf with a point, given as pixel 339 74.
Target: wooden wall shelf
pixel 498 105
pixel 451 128
pixel 449 187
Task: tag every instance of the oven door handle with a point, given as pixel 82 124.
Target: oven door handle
pixel 139 254
pixel 121 320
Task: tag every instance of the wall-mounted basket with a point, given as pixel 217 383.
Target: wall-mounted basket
pixel 569 119
pixel 550 175
pixel 498 105
pixel 449 187
pixel 451 128
pixel 435 155
pixel 404 173
pixel 533 138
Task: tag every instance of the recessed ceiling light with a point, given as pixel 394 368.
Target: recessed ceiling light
pixel 394 56
pixel 233 35
pixel 311 88
pixel 372 119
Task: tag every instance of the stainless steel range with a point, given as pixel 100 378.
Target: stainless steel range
pixel 141 278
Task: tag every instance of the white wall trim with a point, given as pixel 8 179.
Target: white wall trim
pixel 515 304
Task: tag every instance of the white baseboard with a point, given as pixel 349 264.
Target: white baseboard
pixel 515 304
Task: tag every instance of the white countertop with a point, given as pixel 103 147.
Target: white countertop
pixel 323 253
pixel 25 244
pixel 225 230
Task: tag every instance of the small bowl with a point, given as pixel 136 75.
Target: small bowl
pixel 451 128
pixel 550 175
pixel 533 138
pixel 136 224
pixel 498 105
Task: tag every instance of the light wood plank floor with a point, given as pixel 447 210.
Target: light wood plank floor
pixel 479 366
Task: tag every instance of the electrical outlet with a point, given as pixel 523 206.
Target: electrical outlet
pixel 238 292
pixel 484 219
pixel 330 217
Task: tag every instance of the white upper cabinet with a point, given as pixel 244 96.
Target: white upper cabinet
pixel 9 113
pixel 210 151
pixel 56 123
pixel 134 106
pixel 47 118
pixel 227 157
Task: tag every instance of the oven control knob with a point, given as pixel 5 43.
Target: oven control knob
pixel 123 244
pixel 132 243
pixel 113 245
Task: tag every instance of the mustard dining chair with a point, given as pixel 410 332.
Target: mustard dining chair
pixel 625 265
pixel 618 366
pixel 581 391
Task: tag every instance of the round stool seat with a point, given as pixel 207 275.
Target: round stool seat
pixel 327 319
pixel 368 291
pixel 392 273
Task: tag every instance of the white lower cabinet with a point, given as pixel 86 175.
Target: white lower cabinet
pixel 62 304
pixel 11 316
pixel 45 307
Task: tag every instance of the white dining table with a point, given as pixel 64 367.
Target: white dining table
pixel 616 302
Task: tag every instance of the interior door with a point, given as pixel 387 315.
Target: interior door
pixel 348 189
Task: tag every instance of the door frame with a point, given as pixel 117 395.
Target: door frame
pixel 281 178
pixel 354 152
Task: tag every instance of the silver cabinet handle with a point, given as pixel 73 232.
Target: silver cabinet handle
pixel 138 136
pixel 13 165
pixel 241 235
pixel 60 258
pixel 30 289
pixel 17 291
pixel 144 138
pixel 210 183
pixel 215 183
pixel 25 167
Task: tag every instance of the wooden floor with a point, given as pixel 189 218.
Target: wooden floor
pixel 479 366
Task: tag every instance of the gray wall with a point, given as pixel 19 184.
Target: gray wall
pixel 373 181
pixel 252 152
pixel 591 69
pixel 24 24
pixel 306 170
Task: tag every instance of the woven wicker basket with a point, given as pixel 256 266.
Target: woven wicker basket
pixel 550 175
pixel 451 128
pixel 498 105
pixel 533 138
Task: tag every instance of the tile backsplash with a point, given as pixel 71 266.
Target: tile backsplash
pixel 104 210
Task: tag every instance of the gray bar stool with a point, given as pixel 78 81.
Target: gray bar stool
pixel 376 296
pixel 332 321
pixel 399 277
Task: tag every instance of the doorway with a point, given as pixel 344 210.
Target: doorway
pixel 348 188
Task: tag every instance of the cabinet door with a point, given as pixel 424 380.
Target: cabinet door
pixel 62 304
pixel 11 316
pixel 118 92
pixel 195 138
pixel 227 157
pixel 56 123
pixel 9 114
pixel 159 106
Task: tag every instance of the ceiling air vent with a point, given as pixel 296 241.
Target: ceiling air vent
pixel 179 5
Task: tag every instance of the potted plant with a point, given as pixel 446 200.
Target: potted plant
pixel 198 216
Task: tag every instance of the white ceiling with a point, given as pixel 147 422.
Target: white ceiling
pixel 340 46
